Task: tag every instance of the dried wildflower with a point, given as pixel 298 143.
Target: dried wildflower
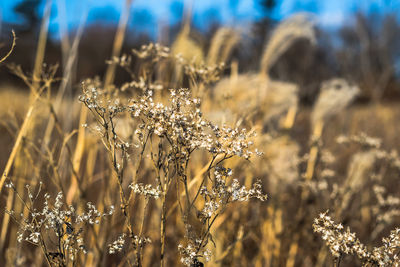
pixel 388 254
pixel 204 73
pixel 141 241
pixel 210 208
pixel 123 61
pixel 117 245
pixel 183 124
pixel 58 220
pixel 338 240
pixel 342 242
pixel 142 85
pixel 387 208
pixel 222 193
pixel 188 254
pixel 155 52
pixel 180 129
pixel 97 99
pixel 9 185
pixel 146 190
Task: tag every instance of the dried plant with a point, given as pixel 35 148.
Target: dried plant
pixel 180 164
pixel 335 95
pixel 175 131
pixel 343 242
pixel 222 44
pixel 298 26
pixel 57 229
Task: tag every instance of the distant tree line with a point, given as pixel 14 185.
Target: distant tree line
pixel 366 52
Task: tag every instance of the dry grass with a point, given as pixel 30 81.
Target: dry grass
pixel 183 168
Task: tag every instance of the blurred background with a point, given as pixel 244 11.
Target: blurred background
pixel 357 40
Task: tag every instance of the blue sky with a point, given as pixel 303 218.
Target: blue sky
pixel 147 14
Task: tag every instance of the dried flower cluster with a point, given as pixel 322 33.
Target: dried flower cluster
pixel 117 245
pixel 189 255
pixel 387 209
pixel 179 129
pixel 55 222
pixel 204 73
pixel 183 125
pixel 221 193
pixel 146 190
pixel 341 242
pixel 152 51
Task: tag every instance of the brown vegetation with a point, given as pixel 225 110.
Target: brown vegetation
pixel 137 173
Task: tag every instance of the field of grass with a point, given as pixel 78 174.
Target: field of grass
pixel 191 163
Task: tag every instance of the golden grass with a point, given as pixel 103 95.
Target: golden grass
pixel 50 145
